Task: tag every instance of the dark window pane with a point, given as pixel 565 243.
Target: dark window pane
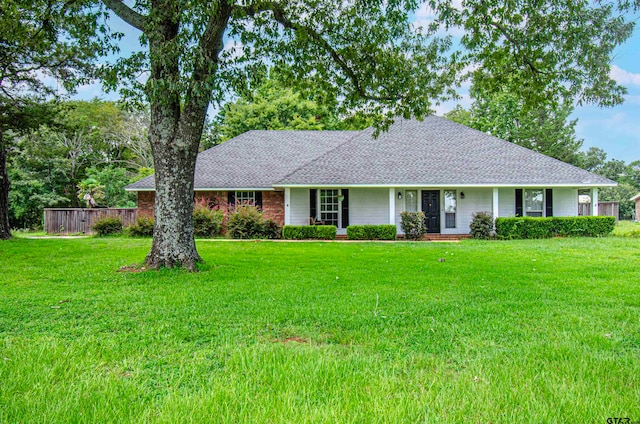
pixel 450 220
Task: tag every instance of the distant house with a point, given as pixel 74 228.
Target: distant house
pixel 444 169
pixel 636 199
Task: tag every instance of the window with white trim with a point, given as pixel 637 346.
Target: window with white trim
pixel 245 197
pixel 411 200
pixel 534 202
pixel 329 207
pixel 450 207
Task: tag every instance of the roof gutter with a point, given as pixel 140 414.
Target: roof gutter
pixel 211 189
pixel 581 185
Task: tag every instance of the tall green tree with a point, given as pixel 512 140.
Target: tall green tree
pixel 546 129
pixel 366 54
pixel 41 39
pixel 274 105
pixel 550 51
pixel 87 139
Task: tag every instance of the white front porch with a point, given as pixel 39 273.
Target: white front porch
pixel 455 205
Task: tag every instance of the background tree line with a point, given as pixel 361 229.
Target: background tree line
pixel 100 147
pixel 85 147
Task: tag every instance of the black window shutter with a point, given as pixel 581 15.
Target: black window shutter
pixel 345 208
pixel 231 199
pixel 548 200
pixel 259 199
pixel 313 203
pixel 518 202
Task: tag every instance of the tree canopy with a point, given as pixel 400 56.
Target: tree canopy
pixel 274 105
pixel 546 129
pixel 94 139
pixel 45 46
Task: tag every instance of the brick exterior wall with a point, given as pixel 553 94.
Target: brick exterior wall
pixel 273 206
pixel 638 209
pixel 272 203
pixel 216 199
pixel 146 200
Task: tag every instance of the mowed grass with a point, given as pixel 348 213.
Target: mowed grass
pixel 540 331
pixel 625 228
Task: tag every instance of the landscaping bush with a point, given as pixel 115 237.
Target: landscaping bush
pixel 565 226
pixel 481 225
pixel 371 232
pixel 271 230
pixel 524 228
pixel 245 222
pixel 142 228
pixel 412 224
pixel 207 222
pixel 305 232
pixel 325 232
pixel 108 226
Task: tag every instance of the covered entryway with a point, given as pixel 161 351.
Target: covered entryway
pixel 431 209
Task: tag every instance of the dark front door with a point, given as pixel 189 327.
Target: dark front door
pixel 431 209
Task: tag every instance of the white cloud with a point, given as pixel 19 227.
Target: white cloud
pixel 623 77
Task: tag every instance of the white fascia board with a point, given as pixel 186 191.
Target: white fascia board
pixel 212 189
pixel 527 185
pixel 636 197
pixel 236 189
pixel 139 189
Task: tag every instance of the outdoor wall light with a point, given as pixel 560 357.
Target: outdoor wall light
pixel 399 195
pixel 462 194
pixel 341 197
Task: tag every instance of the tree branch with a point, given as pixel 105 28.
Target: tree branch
pixel 127 14
pixel 280 17
pixel 210 46
pixel 534 69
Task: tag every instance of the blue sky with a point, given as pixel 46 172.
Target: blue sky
pixel 616 130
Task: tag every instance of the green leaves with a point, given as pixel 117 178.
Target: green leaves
pixel 545 129
pixel 551 51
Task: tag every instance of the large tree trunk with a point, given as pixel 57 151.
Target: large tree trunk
pixel 5 229
pixel 173 237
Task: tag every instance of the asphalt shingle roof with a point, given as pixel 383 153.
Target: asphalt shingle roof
pixel 435 151
pixel 257 159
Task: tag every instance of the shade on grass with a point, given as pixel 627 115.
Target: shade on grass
pixel 523 331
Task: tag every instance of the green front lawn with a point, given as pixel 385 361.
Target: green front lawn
pixel 537 331
pixel 626 228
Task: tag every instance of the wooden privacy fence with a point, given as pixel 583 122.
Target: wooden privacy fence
pixel 604 209
pixel 608 209
pixel 80 221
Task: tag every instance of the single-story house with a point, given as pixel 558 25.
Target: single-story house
pixel 636 199
pixel 439 167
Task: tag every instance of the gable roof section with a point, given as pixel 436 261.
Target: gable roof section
pixel 257 159
pixel 436 152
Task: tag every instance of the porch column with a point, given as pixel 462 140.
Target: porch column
pixel 594 202
pixel 392 206
pixel 496 203
pixel 287 206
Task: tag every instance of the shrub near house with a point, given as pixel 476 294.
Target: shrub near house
pixel 528 228
pixel 371 232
